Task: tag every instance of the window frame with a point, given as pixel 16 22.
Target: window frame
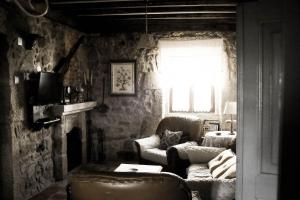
pixel 191 102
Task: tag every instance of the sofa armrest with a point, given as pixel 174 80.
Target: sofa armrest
pixel 213 188
pixel 148 142
pixel 177 158
pixel 181 149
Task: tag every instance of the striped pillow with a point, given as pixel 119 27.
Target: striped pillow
pixel 220 159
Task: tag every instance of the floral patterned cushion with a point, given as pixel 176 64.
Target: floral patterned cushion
pixel 170 138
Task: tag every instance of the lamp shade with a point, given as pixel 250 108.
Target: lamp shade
pixel 230 108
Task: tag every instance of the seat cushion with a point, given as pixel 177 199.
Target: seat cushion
pixel 170 138
pixel 155 155
pixel 196 171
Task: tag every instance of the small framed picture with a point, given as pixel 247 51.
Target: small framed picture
pixel 211 125
pixel 123 78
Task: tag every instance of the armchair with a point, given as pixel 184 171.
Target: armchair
pixel 148 148
pixel 128 186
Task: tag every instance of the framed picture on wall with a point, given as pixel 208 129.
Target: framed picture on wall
pixel 123 78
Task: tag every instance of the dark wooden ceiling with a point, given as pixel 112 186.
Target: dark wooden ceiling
pixel 144 15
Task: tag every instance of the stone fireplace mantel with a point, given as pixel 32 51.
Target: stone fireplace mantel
pixel 72 115
pixel 74 108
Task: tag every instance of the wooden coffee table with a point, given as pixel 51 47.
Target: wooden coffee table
pixel 138 168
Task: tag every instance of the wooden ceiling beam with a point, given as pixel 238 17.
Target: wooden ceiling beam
pixel 69 2
pixel 155 13
pixel 158 26
pixel 100 8
pixel 58 2
pixel 131 14
pixel 170 17
pixel 176 18
pixel 158 3
pixel 142 9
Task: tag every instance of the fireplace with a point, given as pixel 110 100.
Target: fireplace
pixel 74 148
pixel 73 118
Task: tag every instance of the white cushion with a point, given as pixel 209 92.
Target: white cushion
pixel 155 155
pixel 220 159
pixel 201 154
pixel 229 173
pixel 224 167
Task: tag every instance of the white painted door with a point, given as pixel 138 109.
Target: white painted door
pixel 260 94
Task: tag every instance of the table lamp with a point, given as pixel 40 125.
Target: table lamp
pixel 230 109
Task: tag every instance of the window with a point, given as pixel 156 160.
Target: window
pixel 191 73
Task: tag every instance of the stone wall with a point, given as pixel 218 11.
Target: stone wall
pixel 137 116
pixel 26 155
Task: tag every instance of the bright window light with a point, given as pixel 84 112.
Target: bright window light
pixel 190 72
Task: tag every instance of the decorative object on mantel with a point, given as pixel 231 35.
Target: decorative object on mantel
pixel 123 78
pixel 67 95
pixel 103 108
pixel 73 94
pixel 230 109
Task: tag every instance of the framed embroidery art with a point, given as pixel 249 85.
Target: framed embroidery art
pixel 123 77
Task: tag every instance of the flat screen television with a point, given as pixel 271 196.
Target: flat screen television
pixel 45 88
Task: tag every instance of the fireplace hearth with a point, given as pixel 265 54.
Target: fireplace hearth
pixel 73 117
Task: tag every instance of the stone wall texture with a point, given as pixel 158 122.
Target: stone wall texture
pixel 26 155
pixel 137 116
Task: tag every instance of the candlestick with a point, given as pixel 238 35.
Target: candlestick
pixel 84 78
pixel 91 78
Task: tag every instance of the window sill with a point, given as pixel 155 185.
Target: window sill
pixel 190 114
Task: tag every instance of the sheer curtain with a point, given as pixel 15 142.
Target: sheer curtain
pixel 192 74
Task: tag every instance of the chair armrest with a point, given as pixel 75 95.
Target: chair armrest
pixel 177 158
pixel 181 149
pixel 148 142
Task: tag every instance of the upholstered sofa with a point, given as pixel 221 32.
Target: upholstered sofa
pixel 178 159
pixel 148 148
pixel 212 172
pixel 128 186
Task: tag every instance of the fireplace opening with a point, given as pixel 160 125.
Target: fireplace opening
pixel 74 148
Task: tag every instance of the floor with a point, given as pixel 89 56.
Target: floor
pixel 57 191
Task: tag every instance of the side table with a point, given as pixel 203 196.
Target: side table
pixel 138 168
pixel 218 139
